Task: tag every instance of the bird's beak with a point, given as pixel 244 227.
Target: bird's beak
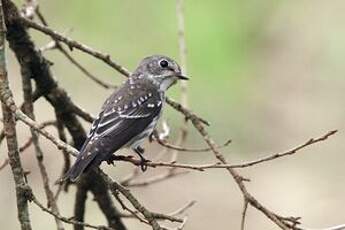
pixel 181 77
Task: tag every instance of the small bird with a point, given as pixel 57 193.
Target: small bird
pixel 129 115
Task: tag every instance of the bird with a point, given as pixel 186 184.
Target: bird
pixel 129 115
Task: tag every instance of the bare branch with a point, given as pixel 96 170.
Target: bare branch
pixel 238 178
pixel 75 44
pixel 183 50
pixel 82 113
pixel 29 110
pixel 219 165
pixel 73 60
pixel 10 133
pixel 60 144
pixel 115 187
pixel 64 219
pixel 244 213
pixel 289 152
pixel 189 115
pixel 166 144
pixel 183 209
pixel 155 179
pixel 28 143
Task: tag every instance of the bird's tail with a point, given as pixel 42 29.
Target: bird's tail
pixel 80 166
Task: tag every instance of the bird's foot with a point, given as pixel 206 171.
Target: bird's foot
pixel 110 160
pixel 143 163
pixel 140 151
pixel 114 157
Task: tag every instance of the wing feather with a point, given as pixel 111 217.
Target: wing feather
pixel 119 122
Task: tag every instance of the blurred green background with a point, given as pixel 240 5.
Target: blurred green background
pixel 267 74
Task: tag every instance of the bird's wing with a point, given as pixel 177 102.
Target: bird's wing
pixel 120 120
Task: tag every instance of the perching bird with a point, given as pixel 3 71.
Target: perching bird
pixel 129 115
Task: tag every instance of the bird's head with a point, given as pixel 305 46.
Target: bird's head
pixel 161 70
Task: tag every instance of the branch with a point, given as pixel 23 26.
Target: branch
pixel 27 144
pixel 64 219
pixel 93 182
pixel 166 144
pixel 289 152
pixel 67 161
pixel 115 187
pixel 75 44
pixel 239 179
pixel 104 57
pixel 30 59
pixel 73 60
pixel 155 179
pixel 11 136
pixel 183 209
pixel 112 185
pixel 189 115
pixel 219 165
pixel 29 110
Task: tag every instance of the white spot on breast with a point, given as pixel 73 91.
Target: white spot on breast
pixel 150 105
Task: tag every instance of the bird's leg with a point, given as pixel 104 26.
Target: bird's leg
pixel 113 157
pixel 153 136
pixel 140 151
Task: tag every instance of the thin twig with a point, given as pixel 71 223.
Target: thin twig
pixel 166 144
pixel 183 209
pixel 289 152
pixel 67 161
pixel 64 219
pixel 127 180
pixel 133 213
pixel 73 60
pixel 28 143
pixel 29 110
pixel 155 179
pixel 82 113
pixel 189 115
pixel 244 212
pixel 74 44
pixel 116 187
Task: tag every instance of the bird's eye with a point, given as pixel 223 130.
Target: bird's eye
pixel 164 63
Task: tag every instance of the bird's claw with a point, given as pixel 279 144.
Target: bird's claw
pixel 140 151
pixel 143 165
pixel 111 161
